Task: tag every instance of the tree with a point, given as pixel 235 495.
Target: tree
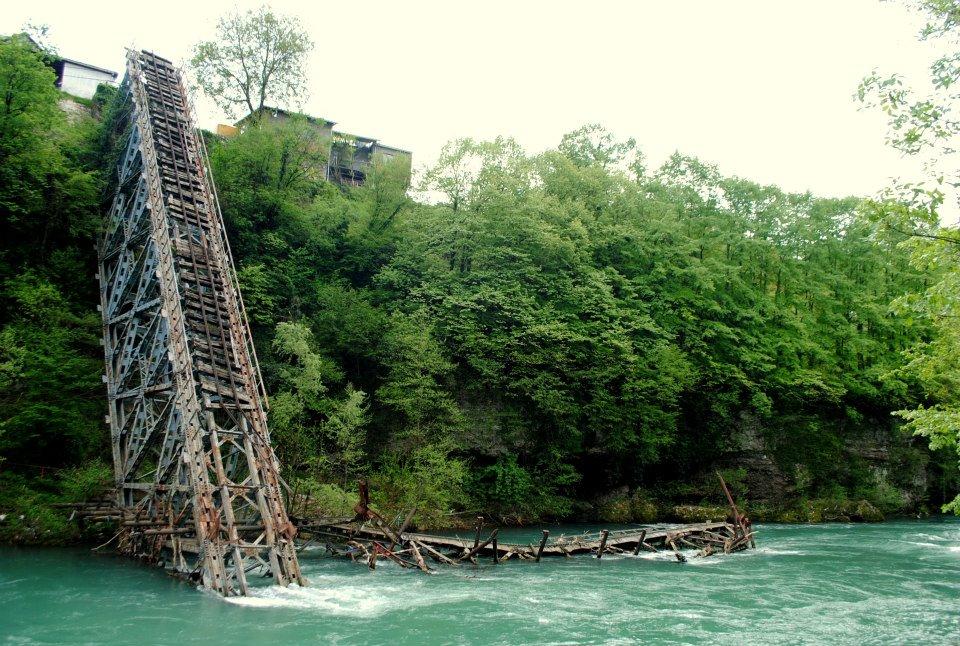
pixel 473 173
pixel 592 144
pixel 257 56
pixel 28 113
pixel 921 125
pixel 52 398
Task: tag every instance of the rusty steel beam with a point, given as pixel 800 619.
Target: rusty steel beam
pixel 187 407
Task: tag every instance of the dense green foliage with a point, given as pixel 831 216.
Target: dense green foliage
pixel 559 326
pixel 51 406
pixel 920 125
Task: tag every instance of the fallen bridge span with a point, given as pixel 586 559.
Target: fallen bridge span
pixel 198 484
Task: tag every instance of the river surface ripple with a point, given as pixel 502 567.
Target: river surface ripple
pixel 895 582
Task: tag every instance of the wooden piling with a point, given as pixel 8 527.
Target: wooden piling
pixel 543 542
pixel 737 518
pixel 643 536
pixel 416 554
pixel 476 541
pixel 406 523
pixel 676 553
pixel 603 542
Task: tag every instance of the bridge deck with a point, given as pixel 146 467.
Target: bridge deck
pixel 372 539
pixel 709 538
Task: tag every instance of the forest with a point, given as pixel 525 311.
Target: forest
pixel 562 335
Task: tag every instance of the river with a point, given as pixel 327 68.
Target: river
pixel 895 582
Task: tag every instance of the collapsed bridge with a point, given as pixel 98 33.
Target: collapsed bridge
pixel 197 484
pixel 196 476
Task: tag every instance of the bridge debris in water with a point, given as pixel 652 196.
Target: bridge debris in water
pixel 370 543
pixel 368 537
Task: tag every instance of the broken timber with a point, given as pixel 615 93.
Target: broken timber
pixel 369 531
pixel 706 537
pixel 198 484
pixel 367 538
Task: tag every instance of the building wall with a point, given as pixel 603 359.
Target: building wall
pixel 388 153
pixel 348 156
pixel 82 81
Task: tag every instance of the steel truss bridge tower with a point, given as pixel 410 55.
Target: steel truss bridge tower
pixel 197 479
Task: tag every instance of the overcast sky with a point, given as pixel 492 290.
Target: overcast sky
pixel 762 89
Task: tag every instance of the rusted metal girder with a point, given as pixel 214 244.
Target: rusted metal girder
pixel 191 448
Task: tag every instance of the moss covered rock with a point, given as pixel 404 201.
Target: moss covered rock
pixel 831 511
pixel 867 513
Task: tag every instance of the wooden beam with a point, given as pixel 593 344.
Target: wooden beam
pixel 643 535
pixel 543 542
pixel 416 554
pixel 603 542
pixel 469 555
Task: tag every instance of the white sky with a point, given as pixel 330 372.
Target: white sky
pixel 762 89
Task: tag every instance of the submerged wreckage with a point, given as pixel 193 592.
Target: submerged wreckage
pixel 198 486
pixel 367 537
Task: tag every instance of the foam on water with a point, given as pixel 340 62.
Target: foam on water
pixel 343 600
pixel 772 551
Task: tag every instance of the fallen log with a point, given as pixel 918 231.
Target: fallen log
pixel 603 543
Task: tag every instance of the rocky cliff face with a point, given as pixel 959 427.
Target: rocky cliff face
pixel 764 479
pixel 876 463
pixel 872 470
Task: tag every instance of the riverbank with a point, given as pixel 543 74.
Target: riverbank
pixel 32 511
pixel 44 524
pixel 893 582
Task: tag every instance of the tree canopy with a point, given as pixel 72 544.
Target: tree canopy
pixel 258 57
pixel 921 124
pixel 564 324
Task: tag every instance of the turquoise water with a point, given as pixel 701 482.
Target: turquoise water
pixel 897 582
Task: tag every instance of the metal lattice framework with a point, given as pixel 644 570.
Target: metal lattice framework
pixel 196 476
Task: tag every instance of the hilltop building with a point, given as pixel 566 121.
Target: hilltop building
pixel 349 156
pixel 81 79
